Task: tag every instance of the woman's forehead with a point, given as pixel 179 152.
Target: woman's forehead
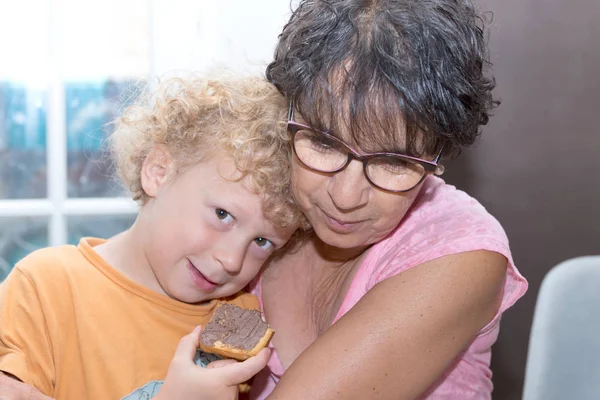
pixel 372 129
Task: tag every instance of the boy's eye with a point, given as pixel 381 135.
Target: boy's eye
pixel 264 243
pixel 223 215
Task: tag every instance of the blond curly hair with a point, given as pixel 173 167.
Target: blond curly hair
pixel 193 116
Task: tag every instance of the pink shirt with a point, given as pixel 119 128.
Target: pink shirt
pixel 442 221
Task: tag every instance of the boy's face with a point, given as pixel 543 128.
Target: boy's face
pixel 206 234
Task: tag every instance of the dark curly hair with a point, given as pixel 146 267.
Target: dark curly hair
pixel 371 67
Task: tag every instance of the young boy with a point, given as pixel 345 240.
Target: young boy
pixel 207 160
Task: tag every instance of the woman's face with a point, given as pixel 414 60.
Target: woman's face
pixel 344 209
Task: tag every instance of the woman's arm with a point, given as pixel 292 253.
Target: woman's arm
pixel 13 389
pixel 399 338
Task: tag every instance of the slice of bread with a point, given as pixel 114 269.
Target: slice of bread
pixel 235 332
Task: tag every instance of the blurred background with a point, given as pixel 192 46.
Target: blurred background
pixel 537 165
pixel 67 70
pixel 68 67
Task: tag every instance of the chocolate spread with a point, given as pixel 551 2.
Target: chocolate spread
pixel 235 327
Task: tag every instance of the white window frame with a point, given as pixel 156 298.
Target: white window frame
pixel 226 32
pixel 57 206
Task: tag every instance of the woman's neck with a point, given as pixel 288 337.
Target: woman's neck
pixel 335 254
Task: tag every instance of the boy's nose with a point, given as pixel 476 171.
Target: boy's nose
pixel 231 258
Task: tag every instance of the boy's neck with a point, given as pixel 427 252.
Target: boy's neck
pixel 125 253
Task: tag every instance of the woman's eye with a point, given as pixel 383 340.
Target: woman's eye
pixel 322 144
pixel 223 215
pixel 264 243
pixel 396 166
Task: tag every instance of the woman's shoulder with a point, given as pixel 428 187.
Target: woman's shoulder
pixel 443 216
pixel 443 221
pixel 440 201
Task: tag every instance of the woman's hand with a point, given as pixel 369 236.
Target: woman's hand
pixel 186 380
pixel 13 389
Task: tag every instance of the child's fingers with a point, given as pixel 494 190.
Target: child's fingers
pixel 186 349
pixel 239 372
pixel 221 363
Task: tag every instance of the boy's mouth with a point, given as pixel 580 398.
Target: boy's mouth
pixel 201 281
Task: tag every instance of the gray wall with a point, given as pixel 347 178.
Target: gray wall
pixel 537 165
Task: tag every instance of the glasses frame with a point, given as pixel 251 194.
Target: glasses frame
pixel 430 167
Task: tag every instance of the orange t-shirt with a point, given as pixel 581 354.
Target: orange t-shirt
pixel 76 328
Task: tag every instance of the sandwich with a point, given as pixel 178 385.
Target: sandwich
pixel 235 332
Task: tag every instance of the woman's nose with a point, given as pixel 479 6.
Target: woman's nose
pixel 349 188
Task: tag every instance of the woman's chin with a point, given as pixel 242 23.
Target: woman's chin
pixel 336 239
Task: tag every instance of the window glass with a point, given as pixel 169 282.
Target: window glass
pixel 104 63
pixel 19 237
pixel 23 72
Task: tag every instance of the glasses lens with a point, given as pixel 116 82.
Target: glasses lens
pixel 318 151
pixel 394 173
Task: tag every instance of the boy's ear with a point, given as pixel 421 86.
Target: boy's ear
pixel 157 169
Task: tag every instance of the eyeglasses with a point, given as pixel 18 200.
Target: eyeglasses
pixel 391 172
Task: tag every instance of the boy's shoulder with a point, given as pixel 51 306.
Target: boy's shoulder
pixel 48 260
pixel 243 299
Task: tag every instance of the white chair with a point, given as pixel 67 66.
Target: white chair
pixel 563 362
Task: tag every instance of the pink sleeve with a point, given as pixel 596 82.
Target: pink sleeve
pixel 449 222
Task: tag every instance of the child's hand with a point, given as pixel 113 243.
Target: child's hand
pixel 186 380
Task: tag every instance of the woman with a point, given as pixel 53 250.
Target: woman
pixel 398 291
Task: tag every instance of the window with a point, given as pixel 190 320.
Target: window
pixel 69 67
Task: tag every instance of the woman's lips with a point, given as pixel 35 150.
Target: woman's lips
pixel 341 226
pixel 200 281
